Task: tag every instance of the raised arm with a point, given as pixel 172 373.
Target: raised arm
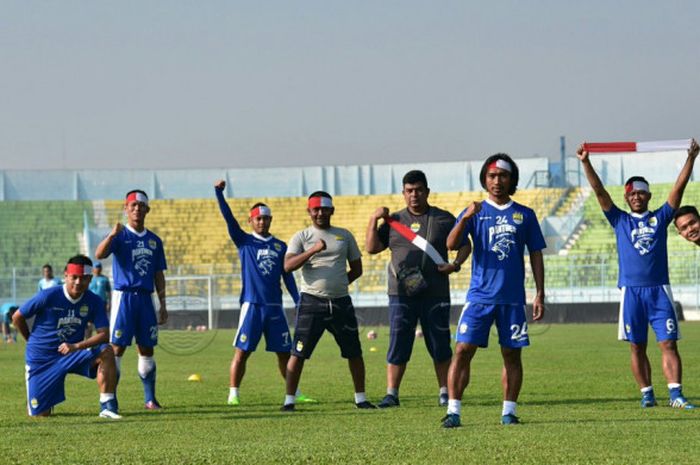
pixel 355 270
pixel 372 243
pixel 103 248
pixel 676 195
pixel 537 264
pixel 454 239
pixel 234 229
pixel 601 194
pixel 293 262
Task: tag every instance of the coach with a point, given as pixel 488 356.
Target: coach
pixel 419 287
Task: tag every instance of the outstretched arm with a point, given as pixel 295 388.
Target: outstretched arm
pixel 601 194
pixel 234 229
pixel 676 195
pixel 537 264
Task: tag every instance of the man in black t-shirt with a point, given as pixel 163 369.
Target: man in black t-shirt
pixel 419 288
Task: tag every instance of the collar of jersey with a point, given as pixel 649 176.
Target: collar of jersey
pixel 639 215
pixel 140 234
pixel 499 207
pixel 70 299
pixel 260 238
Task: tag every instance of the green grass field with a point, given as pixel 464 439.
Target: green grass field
pixel 579 404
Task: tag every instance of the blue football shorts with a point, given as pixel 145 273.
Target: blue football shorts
pixel 258 319
pixel 476 320
pixel 641 307
pixel 133 315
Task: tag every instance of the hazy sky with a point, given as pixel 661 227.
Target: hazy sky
pixel 175 84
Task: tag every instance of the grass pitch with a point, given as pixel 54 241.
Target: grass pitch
pixel 579 404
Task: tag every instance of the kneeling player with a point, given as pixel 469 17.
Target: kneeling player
pixel 55 346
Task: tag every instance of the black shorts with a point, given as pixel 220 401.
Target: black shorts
pixel 316 315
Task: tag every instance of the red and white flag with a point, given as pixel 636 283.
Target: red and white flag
pixel 653 146
pixel 415 239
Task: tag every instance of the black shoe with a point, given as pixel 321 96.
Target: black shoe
pixel 443 400
pixel 389 401
pixel 451 420
pixel 287 408
pixel 365 404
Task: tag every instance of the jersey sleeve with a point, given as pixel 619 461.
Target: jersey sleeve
pixel 98 317
pixel 160 262
pixel 296 245
pixel 535 239
pixel 665 214
pixel 353 250
pixel 613 215
pixel 235 232
pixel 33 305
pixel 468 227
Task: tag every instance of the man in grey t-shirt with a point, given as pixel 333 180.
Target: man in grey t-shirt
pixel 431 304
pixel 322 251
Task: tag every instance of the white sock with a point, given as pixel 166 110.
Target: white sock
pixel 674 385
pixel 145 365
pixel 118 362
pixel 393 392
pixel 289 399
pixel 443 390
pixel 106 397
pixel 360 397
pixel 509 407
pixel 232 392
pixel 454 407
pixel 646 389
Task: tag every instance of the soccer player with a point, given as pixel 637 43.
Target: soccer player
pixel 687 222
pixel 643 275
pixel 500 229
pixel 99 284
pixel 55 345
pixel 262 265
pixel 137 268
pixel 431 304
pixel 323 252
pixel 9 334
pixel 47 279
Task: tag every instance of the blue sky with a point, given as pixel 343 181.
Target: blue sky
pixel 175 84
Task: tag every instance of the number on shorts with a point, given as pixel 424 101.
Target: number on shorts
pixel 519 332
pixel 285 335
pixel 154 332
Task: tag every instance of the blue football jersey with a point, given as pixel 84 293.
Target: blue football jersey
pixel 262 262
pixel 137 257
pixel 499 235
pixel 641 245
pixel 59 319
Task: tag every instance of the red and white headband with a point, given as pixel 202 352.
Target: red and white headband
pixel 502 164
pixel 137 197
pixel 261 210
pixel 636 186
pixel 77 269
pixel 320 202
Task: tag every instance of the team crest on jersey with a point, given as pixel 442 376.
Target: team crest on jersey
pixel 300 346
pixel 83 311
pixel 415 227
pixel 243 338
pixel 278 247
pixel 653 221
pixel 339 238
pixel 152 244
pixel 34 402
pixel 517 218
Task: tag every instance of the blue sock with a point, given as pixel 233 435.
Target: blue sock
pixel 675 392
pixel 110 405
pixel 149 386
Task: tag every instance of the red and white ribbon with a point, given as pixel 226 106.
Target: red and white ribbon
pixel 653 146
pixel 416 240
pixel 262 210
pixel 320 202
pixel 136 197
pixel 78 270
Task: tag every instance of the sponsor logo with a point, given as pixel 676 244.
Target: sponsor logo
pixel 415 227
pixel 339 238
pixel 517 218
